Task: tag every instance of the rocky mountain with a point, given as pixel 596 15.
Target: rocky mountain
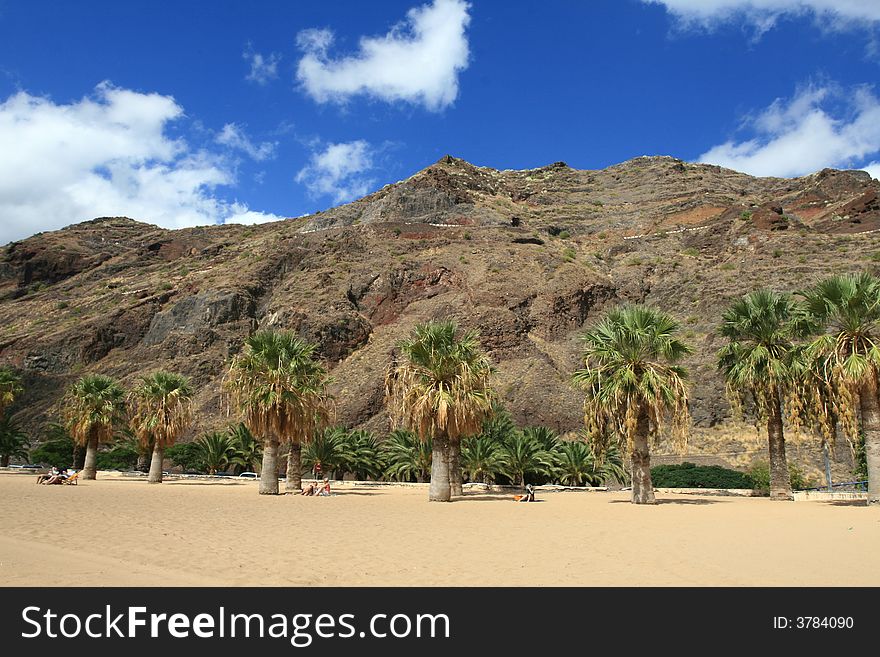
pixel 527 257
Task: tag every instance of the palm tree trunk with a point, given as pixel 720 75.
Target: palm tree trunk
pixel 90 468
pixel 440 490
pixel 870 411
pixel 780 481
pixel 156 463
pixel 79 457
pixel 454 451
pixel 269 471
pixel 4 461
pixel 293 484
pixel 642 486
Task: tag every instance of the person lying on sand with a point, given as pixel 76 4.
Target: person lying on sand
pixel 47 475
pixel 57 478
pixel 528 497
pixel 311 489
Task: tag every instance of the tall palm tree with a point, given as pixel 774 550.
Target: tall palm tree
pixel 441 389
pixel 216 450
pixel 246 449
pixel 759 362
pixel 94 407
pixel 281 391
pixel 10 388
pixel 846 309
pixel 162 413
pixel 632 381
pixel 13 441
pixel 406 456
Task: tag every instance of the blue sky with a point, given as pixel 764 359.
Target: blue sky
pixel 202 112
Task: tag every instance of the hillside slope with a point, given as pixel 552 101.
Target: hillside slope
pixel 527 257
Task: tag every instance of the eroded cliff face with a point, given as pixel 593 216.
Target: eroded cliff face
pixel 527 257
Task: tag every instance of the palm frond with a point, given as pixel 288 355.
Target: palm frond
pixel 442 382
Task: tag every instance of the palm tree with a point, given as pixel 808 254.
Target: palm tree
pixel 10 388
pixel 480 458
pixel 282 393
pixel 326 448
pixel 605 452
pixel 573 464
pixel 523 455
pixel 361 455
pixel 216 450
pixel 246 449
pixel 13 441
pixel 441 390
pixel 406 456
pixel 609 465
pixel 758 362
pixel 162 413
pixel 94 407
pixel 546 437
pixel 846 309
pixel 632 381
pixel 499 427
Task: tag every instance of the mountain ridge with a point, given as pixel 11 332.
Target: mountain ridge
pixel 527 257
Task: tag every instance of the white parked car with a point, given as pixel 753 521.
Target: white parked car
pixel 248 475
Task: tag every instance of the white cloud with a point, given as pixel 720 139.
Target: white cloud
pixel 417 61
pixel 263 69
pixel 105 155
pixel 337 171
pixel 820 127
pixel 874 169
pixel 763 14
pixel 234 137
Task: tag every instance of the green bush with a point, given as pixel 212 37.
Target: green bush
pixel 860 465
pixel 119 457
pixel 57 452
pixel 760 476
pixel 187 456
pixel 690 475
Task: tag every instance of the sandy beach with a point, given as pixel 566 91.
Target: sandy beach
pixel 123 532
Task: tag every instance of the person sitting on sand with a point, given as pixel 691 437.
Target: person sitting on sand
pixel 57 478
pixel 309 490
pixel 324 489
pixel 528 497
pixel 47 475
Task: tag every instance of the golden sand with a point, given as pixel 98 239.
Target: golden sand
pixel 122 532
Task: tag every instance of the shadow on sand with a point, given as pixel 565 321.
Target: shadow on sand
pixel 696 502
pixel 488 497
